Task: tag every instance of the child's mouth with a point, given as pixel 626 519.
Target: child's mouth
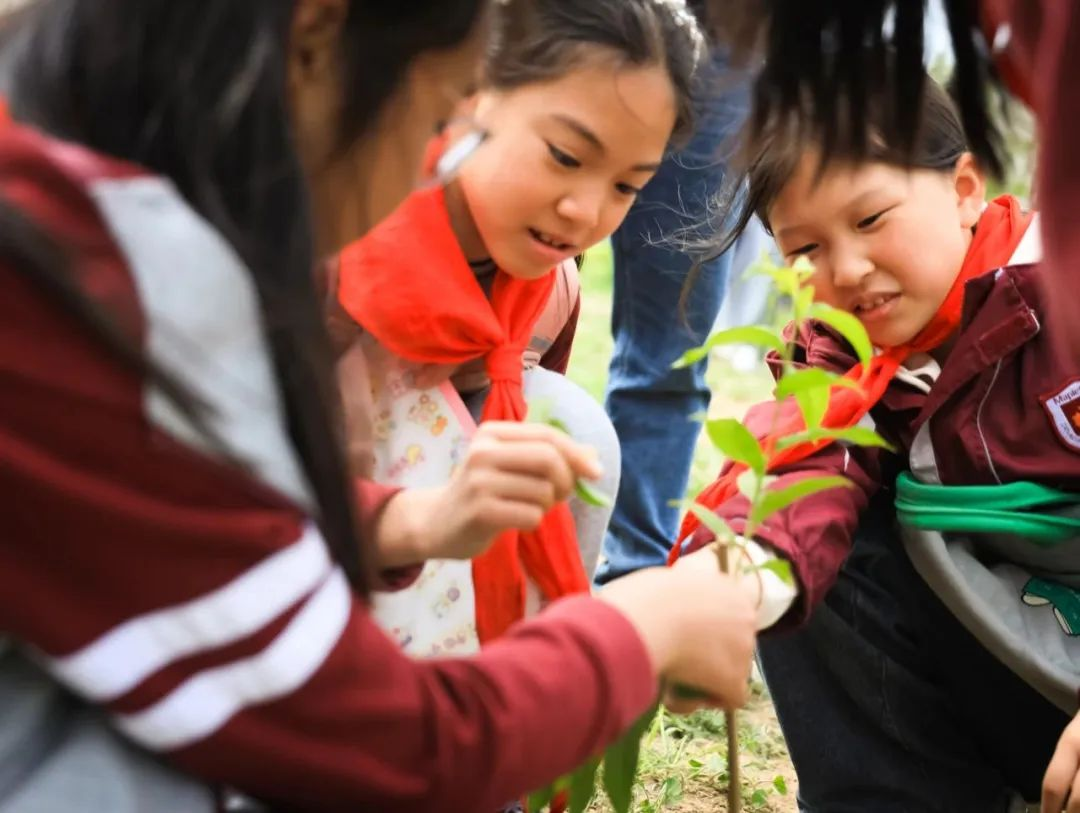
pixel 875 308
pixel 549 241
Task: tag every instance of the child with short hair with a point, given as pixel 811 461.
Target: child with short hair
pixel 984 408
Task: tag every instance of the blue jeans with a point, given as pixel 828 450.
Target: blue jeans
pixel 888 704
pixel 650 404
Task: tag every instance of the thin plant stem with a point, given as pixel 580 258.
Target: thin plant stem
pixel 734 795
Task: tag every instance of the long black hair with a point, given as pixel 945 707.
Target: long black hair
pixel 196 91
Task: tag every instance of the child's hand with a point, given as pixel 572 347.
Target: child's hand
pixel 1062 779
pixel 698 625
pixel 512 475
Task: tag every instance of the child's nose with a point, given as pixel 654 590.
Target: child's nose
pixel 849 268
pixel 582 207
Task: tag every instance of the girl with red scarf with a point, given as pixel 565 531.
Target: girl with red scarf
pixel 907 648
pixel 579 101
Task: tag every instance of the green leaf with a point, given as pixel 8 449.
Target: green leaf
pixel 778 499
pixel 711 521
pixel 690 357
pixel 856 435
pixel 736 443
pixel 860 436
pixel 763 266
pixel 583 786
pixel 847 326
pixel 589 495
pixel 758 797
pixel 804 268
pixel 796 438
pixel 781 567
pixel 780 785
pixel 809 379
pixel 621 763
pixel 748 334
pixel 804 300
pixel 747 483
pixel 812 404
pixel 555 423
pixel 539 799
pixel 785 280
pixel 671 791
pixel 539 411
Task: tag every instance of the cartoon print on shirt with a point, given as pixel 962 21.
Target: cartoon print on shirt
pixel 425 412
pixel 1064 602
pixel 384 425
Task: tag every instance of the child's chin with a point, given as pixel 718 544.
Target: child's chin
pixel 891 337
pixel 526 273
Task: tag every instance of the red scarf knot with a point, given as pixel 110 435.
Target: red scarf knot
pixel 504 365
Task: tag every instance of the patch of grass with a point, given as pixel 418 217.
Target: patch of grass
pixel 684 766
pixel 592 344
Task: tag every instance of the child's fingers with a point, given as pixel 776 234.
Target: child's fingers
pixel 530 453
pixel 1074 796
pixel 1059 777
pixel 500 515
pixel 680 705
pixel 522 488
pixel 581 459
pixel 534 459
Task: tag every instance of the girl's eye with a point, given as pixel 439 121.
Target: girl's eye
pixel 563 158
pixel 809 248
pixel 867 222
pixel 627 189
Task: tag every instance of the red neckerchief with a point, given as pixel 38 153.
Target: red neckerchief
pixel 408 283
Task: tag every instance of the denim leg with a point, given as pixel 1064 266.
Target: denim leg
pixel 650 404
pixel 888 704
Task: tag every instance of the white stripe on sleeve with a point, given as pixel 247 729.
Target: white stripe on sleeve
pixel 122 658
pixel 201 705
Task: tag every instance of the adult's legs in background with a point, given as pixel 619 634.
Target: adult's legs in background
pixel 650 404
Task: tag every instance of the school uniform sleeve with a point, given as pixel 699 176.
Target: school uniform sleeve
pixel 814 534
pixel 1044 37
pixel 204 615
pixel 200 610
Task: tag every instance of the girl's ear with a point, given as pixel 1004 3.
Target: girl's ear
pixel 969 183
pixel 315 36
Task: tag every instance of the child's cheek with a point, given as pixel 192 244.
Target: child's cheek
pixel 823 290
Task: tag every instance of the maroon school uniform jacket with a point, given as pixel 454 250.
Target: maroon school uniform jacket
pixel 189 595
pixel 1004 407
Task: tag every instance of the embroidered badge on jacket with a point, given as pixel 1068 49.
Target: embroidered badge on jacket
pixel 1063 407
